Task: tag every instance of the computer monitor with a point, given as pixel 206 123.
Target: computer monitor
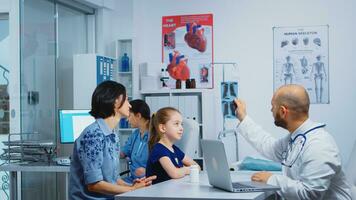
pixel 72 123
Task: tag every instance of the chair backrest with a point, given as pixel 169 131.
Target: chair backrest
pixel 351 172
pixel 189 143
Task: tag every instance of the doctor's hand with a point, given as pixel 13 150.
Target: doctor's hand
pixel 261 176
pixel 240 109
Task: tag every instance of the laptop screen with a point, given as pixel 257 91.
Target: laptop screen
pixel 72 123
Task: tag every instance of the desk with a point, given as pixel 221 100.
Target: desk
pixel 177 189
pixel 16 169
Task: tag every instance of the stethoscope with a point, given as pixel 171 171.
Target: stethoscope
pixel 290 155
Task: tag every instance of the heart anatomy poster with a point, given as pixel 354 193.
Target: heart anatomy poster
pixel 301 56
pixel 187 49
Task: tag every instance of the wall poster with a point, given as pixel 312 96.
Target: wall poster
pixel 187 49
pixel 301 56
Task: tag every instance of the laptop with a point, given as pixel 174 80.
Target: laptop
pixel 219 173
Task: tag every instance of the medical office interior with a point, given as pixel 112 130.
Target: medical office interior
pixel 51 51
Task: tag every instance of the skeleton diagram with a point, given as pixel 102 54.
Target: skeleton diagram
pixel 319 73
pixel 304 64
pixel 288 71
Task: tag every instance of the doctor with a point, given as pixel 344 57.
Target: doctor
pixel 310 158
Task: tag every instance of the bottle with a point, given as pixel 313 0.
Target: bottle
pixel 187 84
pixel 122 123
pixel 178 84
pixel 125 63
pixel 194 174
pixel 192 83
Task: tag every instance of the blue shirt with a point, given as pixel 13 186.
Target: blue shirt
pixel 136 149
pixel 95 158
pixel 154 167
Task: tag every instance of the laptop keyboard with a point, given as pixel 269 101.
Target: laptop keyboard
pixel 239 185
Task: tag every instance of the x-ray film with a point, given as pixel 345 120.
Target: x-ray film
pixel 228 94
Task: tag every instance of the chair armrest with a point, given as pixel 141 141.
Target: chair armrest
pixel 124 172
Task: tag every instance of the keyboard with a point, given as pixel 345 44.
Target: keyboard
pixel 63 161
pixel 239 185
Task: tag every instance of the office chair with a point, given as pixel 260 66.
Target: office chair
pixel 124 172
pixel 350 172
pixel 127 169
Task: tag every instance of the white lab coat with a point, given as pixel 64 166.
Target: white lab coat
pixel 316 174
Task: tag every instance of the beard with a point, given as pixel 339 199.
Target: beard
pixel 278 121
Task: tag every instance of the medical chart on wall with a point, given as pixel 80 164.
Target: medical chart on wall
pixel 187 49
pixel 104 69
pixel 301 56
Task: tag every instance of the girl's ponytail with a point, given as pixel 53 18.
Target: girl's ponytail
pixel 154 135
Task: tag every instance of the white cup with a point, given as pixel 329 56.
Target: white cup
pixel 194 174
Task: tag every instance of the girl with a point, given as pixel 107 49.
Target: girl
pixel 166 160
pixel 136 148
pixel 94 165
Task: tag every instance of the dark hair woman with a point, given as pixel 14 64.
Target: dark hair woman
pixel 93 170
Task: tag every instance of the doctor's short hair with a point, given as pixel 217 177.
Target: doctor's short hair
pixel 162 116
pixel 140 106
pixel 297 102
pixel 104 97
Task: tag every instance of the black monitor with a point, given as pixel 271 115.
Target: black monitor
pixel 72 123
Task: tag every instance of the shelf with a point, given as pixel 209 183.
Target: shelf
pixel 126 129
pixel 123 73
pixel 124 46
pixel 172 91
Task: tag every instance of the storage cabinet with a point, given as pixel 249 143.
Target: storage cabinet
pixel 124 64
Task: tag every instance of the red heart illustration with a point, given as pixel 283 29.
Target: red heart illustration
pixel 178 68
pixel 195 37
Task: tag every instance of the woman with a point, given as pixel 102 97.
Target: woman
pixel 94 166
pixel 136 149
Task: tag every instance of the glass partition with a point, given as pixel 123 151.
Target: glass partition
pixel 4 97
pixel 38 87
pixel 50 35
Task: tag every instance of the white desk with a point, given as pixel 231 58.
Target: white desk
pixel 16 169
pixel 177 189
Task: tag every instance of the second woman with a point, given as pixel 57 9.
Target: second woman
pixel 135 149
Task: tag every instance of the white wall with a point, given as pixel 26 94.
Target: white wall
pixel 243 33
pixel 4 6
pixel 112 24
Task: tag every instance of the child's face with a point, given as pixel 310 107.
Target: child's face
pixel 173 129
